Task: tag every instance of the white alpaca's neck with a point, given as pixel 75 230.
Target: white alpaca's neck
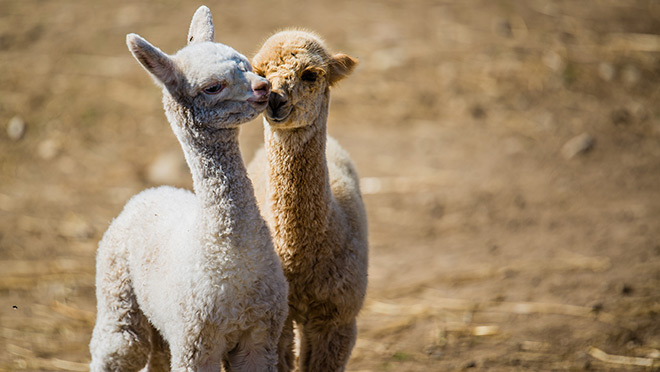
pixel 298 176
pixel 226 198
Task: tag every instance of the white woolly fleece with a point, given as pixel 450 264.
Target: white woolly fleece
pixel 184 280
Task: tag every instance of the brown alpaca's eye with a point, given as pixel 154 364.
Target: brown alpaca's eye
pixel 214 89
pixel 309 76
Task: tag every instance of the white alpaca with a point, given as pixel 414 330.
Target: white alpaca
pixel 195 273
pixel 311 197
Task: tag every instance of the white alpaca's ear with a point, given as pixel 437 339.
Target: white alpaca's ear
pixel 340 67
pixel 157 63
pixel 201 26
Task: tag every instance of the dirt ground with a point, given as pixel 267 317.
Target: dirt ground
pixel 509 150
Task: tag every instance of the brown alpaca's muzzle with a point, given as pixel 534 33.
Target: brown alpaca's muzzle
pixel 279 107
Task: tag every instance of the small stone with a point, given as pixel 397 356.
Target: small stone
pixel 578 145
pixel 16 128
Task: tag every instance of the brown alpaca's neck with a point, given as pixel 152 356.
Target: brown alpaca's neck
pixel 298 186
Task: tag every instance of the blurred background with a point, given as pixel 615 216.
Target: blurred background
pixel 508 149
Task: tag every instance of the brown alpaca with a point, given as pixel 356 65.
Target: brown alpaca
pixel 310 196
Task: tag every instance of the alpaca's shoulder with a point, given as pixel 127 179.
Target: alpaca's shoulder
pixel 160 205
pixel 162 193
pixel 163 199
pixel 345 187
pixel 341 170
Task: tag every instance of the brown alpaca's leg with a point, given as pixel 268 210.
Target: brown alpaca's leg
pixel 285 347
pixel 326 349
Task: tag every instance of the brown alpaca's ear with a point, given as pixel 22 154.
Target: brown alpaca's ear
pixel 340 67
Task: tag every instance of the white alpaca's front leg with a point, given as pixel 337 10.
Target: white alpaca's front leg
pixel 120 340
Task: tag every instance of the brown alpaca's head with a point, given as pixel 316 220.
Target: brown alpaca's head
pixel 300 70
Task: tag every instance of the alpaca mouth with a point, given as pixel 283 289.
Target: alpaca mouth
pixel 278 115
pixel 259 102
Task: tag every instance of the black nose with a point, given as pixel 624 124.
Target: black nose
pixel 276 100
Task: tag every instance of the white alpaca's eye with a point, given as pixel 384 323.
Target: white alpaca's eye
pixel 214 89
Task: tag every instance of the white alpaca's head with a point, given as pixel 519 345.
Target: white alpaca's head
pixel 211 81
pixel 301 70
